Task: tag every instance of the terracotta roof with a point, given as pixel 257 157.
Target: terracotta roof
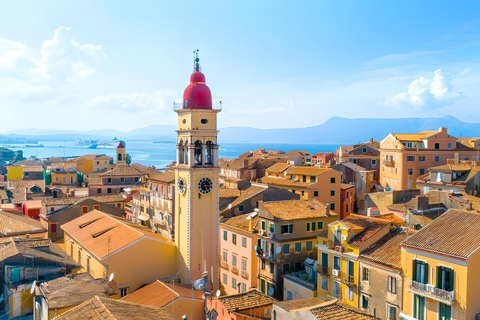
pixel 99 308
pixel 393 218
pixel 246 194
pixel 27 184
pixel 369 225
pixel 387 250
pixel 346 186
pixel 159 294
pixel 229 193
pixel 297 209
pixel 452 167
pixel 278 167
pixel 33 204
pixel 291 305
pixel 280 181
pixel 453 233
pixel 72 290
pixel 468 142
pixel 312 171
pixel 167 176
pixel 94 229
pixel 240 222
pixel 334 310
pixel 246 300
pixel 122 171
pixel 414 136
pixel 13 224
pixel 38 168
pixel 49 201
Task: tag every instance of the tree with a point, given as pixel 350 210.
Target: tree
pixel 128 159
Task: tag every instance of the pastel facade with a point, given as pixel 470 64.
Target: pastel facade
pixel 405 157
pixel 241 306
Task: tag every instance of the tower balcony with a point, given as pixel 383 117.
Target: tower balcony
pixel 216 104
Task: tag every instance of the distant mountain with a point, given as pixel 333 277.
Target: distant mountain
pixel 335 130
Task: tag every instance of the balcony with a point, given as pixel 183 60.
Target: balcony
pixel 234 270
pixel 432 292
pixel 348 279
pixel 224 265
pixel 178 104
pixel 323 271
pixel 302 278
pixel 389 163
pixel 244 274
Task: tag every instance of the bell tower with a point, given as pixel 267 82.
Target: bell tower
pixel 121 154
pixel 196 177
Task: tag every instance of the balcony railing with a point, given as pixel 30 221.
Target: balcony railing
pixel 234 270
pixel 302 279
pixel 244 274
pixel 389 163
pixel 224 265
pixel 178 104
pixel 323 271
pixel 430 291
pixel 348 279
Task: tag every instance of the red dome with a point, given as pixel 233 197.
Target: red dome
pixel 197 95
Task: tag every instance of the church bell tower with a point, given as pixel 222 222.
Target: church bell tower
pixel 196 177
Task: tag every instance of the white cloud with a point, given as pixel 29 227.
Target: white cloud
pixel 133 102
pixel 45 74
pixel 426 93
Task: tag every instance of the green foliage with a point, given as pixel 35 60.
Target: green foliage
pixel 128 159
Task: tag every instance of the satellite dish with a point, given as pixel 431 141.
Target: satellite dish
pixel 32 289
pixel 217 294
pixel 199 284
pixel 110 278
pixel 270 291
pixel 278 249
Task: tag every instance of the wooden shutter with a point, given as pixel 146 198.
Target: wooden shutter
pixel 439 277
pixel 426 273
pixel 290 228
pixel 414 270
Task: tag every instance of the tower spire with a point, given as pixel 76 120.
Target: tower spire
pixel 196 61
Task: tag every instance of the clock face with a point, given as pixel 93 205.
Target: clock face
pixel 181 185
pixel 205 185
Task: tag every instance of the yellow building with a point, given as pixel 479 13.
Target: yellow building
pixel 338 249
pixel 105 244
pixel 15 173
pixel 321 184
pixel 196 179
pixel 94 163
pixel 64 176
pixel 440 267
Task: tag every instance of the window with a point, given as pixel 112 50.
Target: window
pixel 421 171
pixel 392 285
pixel 364 150
pixel 84 209
pixel 315 193
pixel 286 249
pixel 234 283
pixel 109 190
pixel 449 145
pixel 123 292
pixel 349 293
pixel 445 278
pixel 137 179
pixel 241 208
pixel 272 267
pixel 320 225
pixel 289 295
pixel 313 179
pixel 234 260
pixel 225 256
pixel 287 228
pixel 225 236
pixel 109 180
pixel 354 161
pixel 304 178
pixel 298 247
pixel 437 158
pixel 324 260
pixel 308 226
pixel 332 180
pixel 99 191
pixel 350 268
pixel 96 207
pixel 421 158
pixel 332 206
pixel 419 307
pixel 303 193
pixel 365 302
pixel 410 172
pixel 56 179
pixel 264 225
pixel 244 265
pixel 409 144
pixel 391 312
pixel 420 271
pixel 410 158
pixel 244 242
pixel 332 193
pixel 53 227
pixel 272 227
pixel 286 268
pixel 374 162
pixel 336 263
pixel 122 179
pixel 365 274
pixel 234 238
pixel 437 146
pixel 336 289
pixel 444 312
pixel 243 287
pixel 309 245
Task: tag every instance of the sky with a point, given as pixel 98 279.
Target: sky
pixel 275 64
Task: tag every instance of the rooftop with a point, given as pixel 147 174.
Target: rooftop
pixel 104 308
pixel 12 224
pixel 159 294
pixel 454 233
pixel 285 182
pixel 334 310
pixel 240 221
pixel 246 194
pixel 50 201
pixel 246 300
pixel 312 171
pixel 278 167
pixel 369 227
pixel 297 209
pixel 298 304
pixel 123 171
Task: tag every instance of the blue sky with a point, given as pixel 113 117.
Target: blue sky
pixel 118 64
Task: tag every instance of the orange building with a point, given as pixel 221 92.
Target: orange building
pixel 405 157
pixel 242 306
pixel 312 183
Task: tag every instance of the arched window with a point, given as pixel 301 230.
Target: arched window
pixel 181 152
pixel 197 152
pixel 185 153
pixel 209 152
pixel 119 157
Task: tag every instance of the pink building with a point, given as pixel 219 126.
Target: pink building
pixel 238 263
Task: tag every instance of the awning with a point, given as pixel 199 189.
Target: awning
pixel 143 218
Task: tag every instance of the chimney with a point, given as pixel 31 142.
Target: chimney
pixel 373 211
pixel 442 129
pixel 456 158
pixel 327 209
pixel 250 225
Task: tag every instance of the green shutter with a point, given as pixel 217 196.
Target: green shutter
pixel 308 226
pixel 313 226
pixel 414 270
pixel 439 277
pixel 290 228
pixel 426 273
pixel 450 278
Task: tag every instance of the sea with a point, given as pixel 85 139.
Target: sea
pixel 159 155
